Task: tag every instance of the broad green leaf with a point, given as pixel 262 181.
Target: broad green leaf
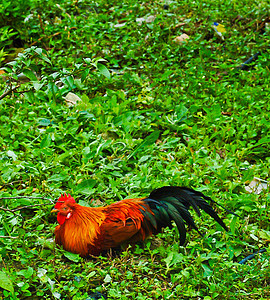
pixel 26 273
pixel 41 274
pixel 14 221
pixel 37 85
pixel 260 146
pixel 264 234
pixel 5 282
pixel 237 251
pixel 173 258
pixel 254 237
pixel 38 51
pixel 87 115
pixel 84 74
pixel 107 278
pixel 40 227
pixel 30 74
pixel 233 223
pixel 103 70
pixel 44 122
pixel 206 271
pixel 97 60
pixel 69 81
pixel 72 256
pixel 12 63
pixel 84 203
pixel 56 294
pixel 46 141
pixel 55 75
pixel 45 58
pixel 88 60
pixel 53 88
pixel 85 186
pixel 7 69
pixel 149 140
pixel 181 112
pixel 58 177
pixel 91 274
pixel 46 243
pixel 11 154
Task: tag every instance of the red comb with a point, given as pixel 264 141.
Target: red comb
pixel 62 199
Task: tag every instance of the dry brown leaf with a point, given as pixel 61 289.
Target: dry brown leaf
pixel 226 113
pixel 179 25
pixel 181 38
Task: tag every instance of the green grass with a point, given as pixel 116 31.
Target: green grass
pixel 154 113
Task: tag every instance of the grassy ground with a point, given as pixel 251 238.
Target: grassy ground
pixel 155 113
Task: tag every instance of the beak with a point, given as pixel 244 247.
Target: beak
pixel 54 210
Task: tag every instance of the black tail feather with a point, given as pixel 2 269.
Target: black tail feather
pixel 173 212
pixel 200 194
pixel 172 203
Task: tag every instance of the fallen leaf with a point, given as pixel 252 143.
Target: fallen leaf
pixel 149 19
pixel 256 186
pixel 179 25
pixel 119 25
pixel 140 21
pixel 226 113
pixel 72 99
pixel 181 38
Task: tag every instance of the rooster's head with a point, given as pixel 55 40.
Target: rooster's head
pixel 64 207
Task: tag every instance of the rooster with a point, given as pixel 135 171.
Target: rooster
pixel 92 230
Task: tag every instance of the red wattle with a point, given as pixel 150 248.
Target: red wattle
pixel 61 219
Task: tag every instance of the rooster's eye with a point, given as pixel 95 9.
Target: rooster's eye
pixel 64 208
